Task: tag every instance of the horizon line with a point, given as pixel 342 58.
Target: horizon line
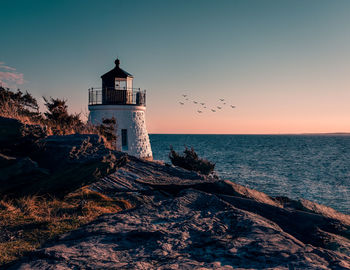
pixel 277 134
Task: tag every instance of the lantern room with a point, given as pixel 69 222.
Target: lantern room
pixel 117 78
pixel 117 89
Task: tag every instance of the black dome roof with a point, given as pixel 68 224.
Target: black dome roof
pixel 116 72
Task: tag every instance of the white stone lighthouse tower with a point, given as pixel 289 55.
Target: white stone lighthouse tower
pixel 117 98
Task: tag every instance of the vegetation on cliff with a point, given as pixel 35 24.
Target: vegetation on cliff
pixel 191 161
pixel 19 105
pixel 56 120
pixel 47 161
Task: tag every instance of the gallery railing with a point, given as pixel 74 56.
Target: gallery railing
pixel 112 96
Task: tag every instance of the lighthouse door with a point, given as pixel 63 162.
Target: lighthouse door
pixel 124 140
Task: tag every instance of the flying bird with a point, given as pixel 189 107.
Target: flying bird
pixel 199 111
pixel 213 110
pixel 218 107
pixel 181 103
pixel 221 99
pixel 233 106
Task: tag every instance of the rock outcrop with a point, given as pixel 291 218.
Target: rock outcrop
pixel 180 219
pixel 31 162
pixel 183 220
pixel 17 138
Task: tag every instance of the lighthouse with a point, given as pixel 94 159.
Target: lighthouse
pixel 117 98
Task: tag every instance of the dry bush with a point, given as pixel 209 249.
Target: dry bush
pixel 24 107
pixel 59 120
pixel 19 105
pixel 190 161
pixel 56 120
pixel 108 130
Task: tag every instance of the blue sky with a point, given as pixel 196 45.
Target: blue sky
pixel 284 64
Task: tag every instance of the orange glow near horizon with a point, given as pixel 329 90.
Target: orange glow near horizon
pixel 311 109
pixel 240 126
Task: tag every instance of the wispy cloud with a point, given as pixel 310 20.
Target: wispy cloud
pixel 3 66
pixel 9 77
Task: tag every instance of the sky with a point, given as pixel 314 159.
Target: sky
pixel 284 64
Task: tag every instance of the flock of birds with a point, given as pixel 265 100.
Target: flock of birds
pixel 203 106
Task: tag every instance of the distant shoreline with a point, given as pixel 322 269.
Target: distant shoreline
pixel 262 134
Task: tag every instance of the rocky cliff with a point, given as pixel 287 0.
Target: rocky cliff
pixel 181 220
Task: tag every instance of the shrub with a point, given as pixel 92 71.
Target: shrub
pixel 58 118
pixel 108 130
pixel 19 105
pixel 190 161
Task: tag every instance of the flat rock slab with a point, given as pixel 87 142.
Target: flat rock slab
pixel 138 175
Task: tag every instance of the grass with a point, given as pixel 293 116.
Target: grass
pixel 28 222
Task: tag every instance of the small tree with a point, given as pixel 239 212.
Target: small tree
pixel 190 161
pixel 58 118
pixel 19 105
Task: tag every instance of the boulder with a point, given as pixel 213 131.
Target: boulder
pixel 10 131
pixel 19 173
pixel 18 139
pixel 59 165
pixel 56 152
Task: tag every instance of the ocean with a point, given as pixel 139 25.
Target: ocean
pixel 314 167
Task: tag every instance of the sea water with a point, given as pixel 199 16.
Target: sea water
pixel 314 167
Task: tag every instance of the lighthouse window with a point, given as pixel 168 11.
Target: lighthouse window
pixel 124 139
pixel 120 84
